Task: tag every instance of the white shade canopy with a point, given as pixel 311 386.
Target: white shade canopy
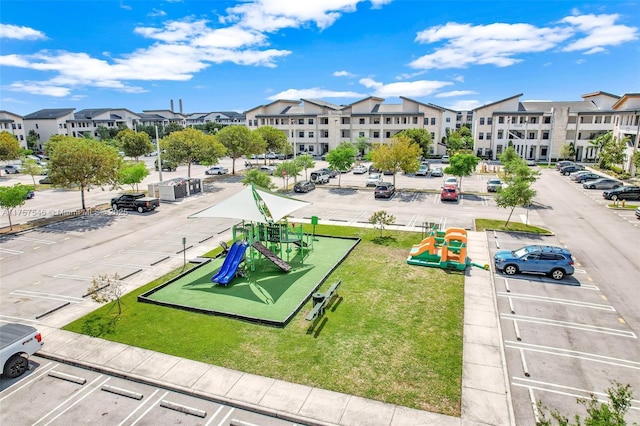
pixel 254 204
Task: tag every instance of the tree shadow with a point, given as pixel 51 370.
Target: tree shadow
pixel 384 240
pixel 343 191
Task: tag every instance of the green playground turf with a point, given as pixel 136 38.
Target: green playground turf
pixel 266 295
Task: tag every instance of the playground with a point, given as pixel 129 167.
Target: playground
pixel 271 269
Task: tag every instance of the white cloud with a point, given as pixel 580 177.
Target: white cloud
pixel 501 44
pixel 40 88
pixel 495 44
pixel 600 30
pixel 465 105
pixel 20 33
pixel 157 12
pixel 314 93
pixel 454 93
pixel 343 74
pixel 416 88
pixel 125 6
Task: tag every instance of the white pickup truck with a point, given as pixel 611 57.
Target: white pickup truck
pixel 17 342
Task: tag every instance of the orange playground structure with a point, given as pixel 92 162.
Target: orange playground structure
pixel 442 249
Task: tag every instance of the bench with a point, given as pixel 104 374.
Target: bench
pixel 321 301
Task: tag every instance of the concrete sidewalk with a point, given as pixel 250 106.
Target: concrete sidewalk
pixel 485 390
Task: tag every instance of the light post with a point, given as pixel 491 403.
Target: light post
pixel 636 118
pixel 159 160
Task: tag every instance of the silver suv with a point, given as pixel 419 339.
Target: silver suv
pixel 319 176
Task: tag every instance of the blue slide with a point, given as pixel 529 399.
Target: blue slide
pixel 231 263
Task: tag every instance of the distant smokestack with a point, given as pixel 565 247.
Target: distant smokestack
pixel 180 103
pixel 171 105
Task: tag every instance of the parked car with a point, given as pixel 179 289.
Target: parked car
pixel 217 170
pixel 332 173
pixel 563 163
pixel 584 177
pixel 449 193
pixel 384 190
pixel 493 185
pixel 17 343
pixel 167 166
pixel 30 195
pixel 451 181
pixel 444 159
pixel 531 162
pixel 638 212
pixel 556 262
pixel 320 176
pixel 374 169
pixel 374 179
pixel 572 168
pixel 267 169
pixel 45 181
pixel 138 202
pixel 423 170
pixel 11 169
pixel 304 186
pixel 622 193
pixel 360 169
pixel 437 172
pixel 603 183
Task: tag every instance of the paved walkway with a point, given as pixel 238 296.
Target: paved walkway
pixel 485 391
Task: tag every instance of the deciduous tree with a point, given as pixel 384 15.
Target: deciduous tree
pixel 275 140
pixel 421 137
pixel 32 168
pixel 12 197
pixel 381 219
pixel 238 141
pixel 258 178
pixel 341 157
pixel 9 146
pixel 189 145
pixel 83 162
pixel 462 165
pixel 305 162
pixel 133 173
pixel 105 289
pixel 402 154
pixel 134 144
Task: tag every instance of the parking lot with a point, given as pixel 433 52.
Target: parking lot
pixel 72 395
pixel 562 339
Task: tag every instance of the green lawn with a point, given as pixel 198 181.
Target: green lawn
pixel 394 336
pixel 499 225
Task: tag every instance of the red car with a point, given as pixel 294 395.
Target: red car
pixel 449 193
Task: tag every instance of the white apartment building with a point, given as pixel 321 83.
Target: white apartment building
pixel 163 117
pixel 315 126
pixel 87 121
pixel 228 118
pixel 14 124
pixel 538 130
pixel 48 122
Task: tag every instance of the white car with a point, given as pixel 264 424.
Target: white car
pixel 374 179
pixel 451 181
pixel 360 169
pixel 217 170
pixel 267 169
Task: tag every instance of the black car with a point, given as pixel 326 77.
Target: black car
pixel 563 163
pixel 304 186
pixel 572 168
pixel 384 190
pixel 332 173
pixel 622 193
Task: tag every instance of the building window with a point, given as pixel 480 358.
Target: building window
pixel 376 120
pixel 301 147
pixel 500 120
pixel 547 120
pixel 448 120
pixel 310 121
pixel 433 121
pixel 490 121
pixel 545 135
pixel 361 121
pixel 36 125
pixel 607 119
pixel 301 133
pixel 415 120
pixel 376 134
pixel 300 120
pixel 433 135
pixel 500 134
pixel 533 120
pixel 499 149
pixel 572 119
pixel 325 133
pixel 310 148
pixel 532 135
pixel 387 135
pixel 388 120
pixel 481 135
pixel 488 136
pixel 310 134
pixel 426 121
pixel 482 121
pixel 543 151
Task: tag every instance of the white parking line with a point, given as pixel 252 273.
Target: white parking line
pixel 9 251
pixel 572 325
pixel 31 379
pixel 585 393
pixel 147 410
pixel 73 277
pixel 557 300
pixel 47 296
pixel 214 415
pixel 36 240
pixel 585 356
pixel 126 265
pixel 75 395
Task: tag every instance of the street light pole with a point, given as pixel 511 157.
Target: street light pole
pixel 158 152
pixel 636 117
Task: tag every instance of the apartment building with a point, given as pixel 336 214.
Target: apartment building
pixel 163 117
pixel 48 122
pixel 87 121
pixel 227 118
pixel 316 126
pixel 14 124
pixel 538 130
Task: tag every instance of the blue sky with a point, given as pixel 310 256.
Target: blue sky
pixel 235 55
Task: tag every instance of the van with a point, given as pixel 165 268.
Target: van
pixel 319 176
